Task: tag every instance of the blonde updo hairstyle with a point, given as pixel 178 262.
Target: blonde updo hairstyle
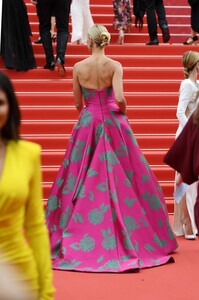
pixel 100 35
pixel 189 60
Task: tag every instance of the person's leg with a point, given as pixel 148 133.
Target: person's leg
pixel 62 10
pixel 151 20
pixel 160 10
pixel 186 221
pixel 44 9
pixel 193 39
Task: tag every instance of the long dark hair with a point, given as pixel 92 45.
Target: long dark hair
pixel 196 115
pixel 11 129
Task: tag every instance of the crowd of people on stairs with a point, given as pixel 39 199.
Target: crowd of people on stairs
pixel 15 33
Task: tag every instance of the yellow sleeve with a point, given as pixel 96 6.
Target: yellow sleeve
pixel 36 232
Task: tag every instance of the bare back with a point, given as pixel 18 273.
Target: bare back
pixel 96 72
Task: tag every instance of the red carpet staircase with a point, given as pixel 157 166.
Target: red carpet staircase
pixel 152 76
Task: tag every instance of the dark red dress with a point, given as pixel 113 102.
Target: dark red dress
pixel 183 156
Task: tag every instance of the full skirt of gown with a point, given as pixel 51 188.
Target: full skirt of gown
pixel 106 211
pixel 16 47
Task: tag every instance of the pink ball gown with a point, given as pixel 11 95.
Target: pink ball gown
pixel 106 211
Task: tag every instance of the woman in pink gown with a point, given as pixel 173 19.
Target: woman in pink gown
pixel 106 211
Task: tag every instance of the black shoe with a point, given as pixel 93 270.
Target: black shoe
pixel 153 42
pixel 50 66
pixel 38 41
pixel 165 33
pixel 192 40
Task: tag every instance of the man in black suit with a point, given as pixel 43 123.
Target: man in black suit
pixel 153 7
pixel 61 9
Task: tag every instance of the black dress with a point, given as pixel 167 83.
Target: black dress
pixel 16 47
pixel 195 17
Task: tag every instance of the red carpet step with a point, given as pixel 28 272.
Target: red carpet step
pixel 152 76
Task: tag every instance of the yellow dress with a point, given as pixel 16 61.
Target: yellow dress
pixel 23 235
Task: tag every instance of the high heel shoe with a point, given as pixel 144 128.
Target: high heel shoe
pixel 120 40
pixel 191 40
pixel 186 235
pixel 38 41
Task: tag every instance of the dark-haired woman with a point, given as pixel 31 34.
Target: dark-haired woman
pixel 16 47
pixel 23 234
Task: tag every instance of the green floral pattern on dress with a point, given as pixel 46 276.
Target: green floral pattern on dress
pixel 109 241
pixel 131 223
pixel 96 215
pixel 85 119
pixel 154 201
pixel 69 187
pixel 53 203
pixel 69 265
pixel 86 244
pixel 77 152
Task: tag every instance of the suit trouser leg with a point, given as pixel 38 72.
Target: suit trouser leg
pixel 160 10
pixel 151 19
pixel 62 9
pixel 44 11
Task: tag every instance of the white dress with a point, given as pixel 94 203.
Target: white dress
pixel 81 20
pixel 187 104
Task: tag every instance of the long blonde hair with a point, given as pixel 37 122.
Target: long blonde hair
pixel 100 35
pixel 189 60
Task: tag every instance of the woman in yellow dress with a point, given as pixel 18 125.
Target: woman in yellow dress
pixel 23 235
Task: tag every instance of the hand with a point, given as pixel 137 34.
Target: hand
pixel 33 2
pixel 178 180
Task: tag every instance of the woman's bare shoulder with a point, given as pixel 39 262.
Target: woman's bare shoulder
pixel 82 62
pixel 115 64
pixel 105 62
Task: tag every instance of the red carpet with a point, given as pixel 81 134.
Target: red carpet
pixel 174 281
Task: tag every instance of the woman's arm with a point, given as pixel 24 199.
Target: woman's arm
pixel 77 90
pixel 184 98
pixel 36 231
pixel 179 179
pixel 117 84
